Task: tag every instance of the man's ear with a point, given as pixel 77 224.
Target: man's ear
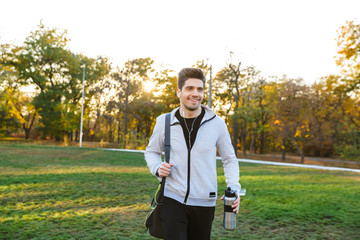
pixel 178 92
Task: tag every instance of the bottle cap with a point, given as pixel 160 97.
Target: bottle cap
pixel 229 192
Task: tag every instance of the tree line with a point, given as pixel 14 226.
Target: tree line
pixel 41 85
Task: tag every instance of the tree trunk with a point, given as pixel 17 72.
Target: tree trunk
pixel 262 141
pixel 27 133
pixel 110 131
pixel 300 150
pixel 88 130
pixel 126 116
pixel 66 139
pixel 137 132
pixel 243 138
pixel 28 129
pixel 252 144
pixel 118 131
pixel 262 134
pixel 92 135
pixel 302 157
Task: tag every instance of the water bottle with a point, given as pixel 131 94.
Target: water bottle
pixel 229 215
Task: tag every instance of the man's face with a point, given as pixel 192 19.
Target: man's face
pixel 191 94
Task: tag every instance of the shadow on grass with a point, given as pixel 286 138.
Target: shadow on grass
pixel 76 205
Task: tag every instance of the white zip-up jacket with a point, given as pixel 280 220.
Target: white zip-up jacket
pixel 193 178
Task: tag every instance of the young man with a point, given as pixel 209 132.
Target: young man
pixel 191 181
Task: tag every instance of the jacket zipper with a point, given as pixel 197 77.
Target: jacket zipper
pixel 188 178
pixel 189 160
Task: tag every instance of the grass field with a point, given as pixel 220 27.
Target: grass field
pixel 69 193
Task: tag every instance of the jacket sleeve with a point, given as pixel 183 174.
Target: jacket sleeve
pixel 155 147
pixel 228 158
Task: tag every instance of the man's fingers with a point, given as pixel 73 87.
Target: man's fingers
pixel 236 205
pixel 236 210
pixel 236 202
pixel 167 165
pixel 165 169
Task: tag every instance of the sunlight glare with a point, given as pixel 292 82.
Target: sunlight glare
pixel 149 86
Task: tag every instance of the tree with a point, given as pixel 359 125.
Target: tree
pixel 165 90
pixel 230 77
pixel 293 112
pixel 145 110
pixel 259 112
pixel 8 117
pixel 348 59
pixel 325 116
pixel 239 94
pixel 45 61
pixel 8 122
pixel 23 108
pixel 348 42
pixel 347 121
pixel 100 104
pixel 128 82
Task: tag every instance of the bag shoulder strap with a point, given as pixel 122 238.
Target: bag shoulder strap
pixel 167 146
pixel 160 192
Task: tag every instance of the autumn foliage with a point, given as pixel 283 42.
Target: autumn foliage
pixel 41 86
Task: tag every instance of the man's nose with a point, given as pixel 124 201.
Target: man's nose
pixel 195 92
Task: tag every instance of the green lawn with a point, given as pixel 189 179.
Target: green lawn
pixel 70 193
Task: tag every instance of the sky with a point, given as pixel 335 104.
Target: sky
pixel 296 38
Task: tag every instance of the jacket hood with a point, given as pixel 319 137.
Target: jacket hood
pixel 208 114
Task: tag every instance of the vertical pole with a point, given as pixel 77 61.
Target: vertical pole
pixel 82 108
pixel 210 86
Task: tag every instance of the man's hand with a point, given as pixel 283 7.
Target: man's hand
pixel 236 204
pixel 164 169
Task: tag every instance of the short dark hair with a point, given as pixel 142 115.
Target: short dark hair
pixel 187 73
